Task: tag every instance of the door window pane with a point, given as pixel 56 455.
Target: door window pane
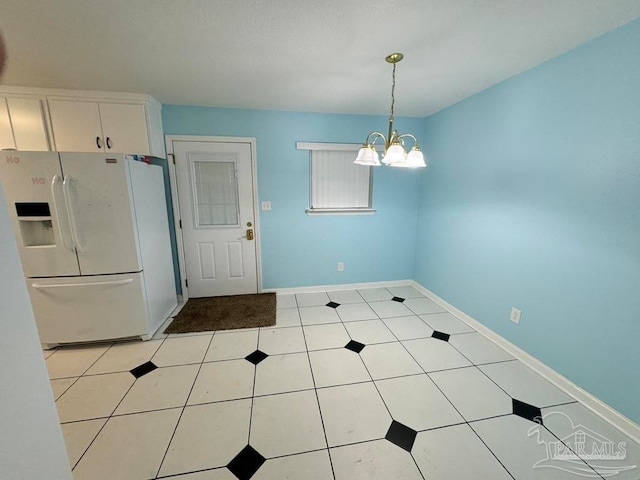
pixel 216 190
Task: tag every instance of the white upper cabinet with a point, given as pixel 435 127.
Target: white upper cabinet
pixel 80 121
pixel 124 128
pixel 22 124
pixel 80 126
pixel 76 126
pixel 6 132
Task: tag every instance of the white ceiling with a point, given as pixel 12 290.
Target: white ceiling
pixel 302 55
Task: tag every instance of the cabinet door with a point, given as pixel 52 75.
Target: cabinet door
pixel 29 129
pixel 76 126
pixel 125 128
pixel 6 132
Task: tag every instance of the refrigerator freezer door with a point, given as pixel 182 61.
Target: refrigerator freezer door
pixel 98 195
pixel 84 309
pixel 33 190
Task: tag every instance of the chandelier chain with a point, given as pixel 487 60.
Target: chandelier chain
pixel 393 89
pixel 395 153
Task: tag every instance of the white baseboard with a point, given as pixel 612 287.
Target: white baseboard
pixel 622 423
pixel 335 288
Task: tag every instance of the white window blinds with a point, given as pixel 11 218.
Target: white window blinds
pixel 337 183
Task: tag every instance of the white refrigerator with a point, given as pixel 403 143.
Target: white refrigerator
pixel 93 236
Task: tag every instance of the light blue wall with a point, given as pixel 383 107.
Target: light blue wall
pixel 532 200
pixel 299 250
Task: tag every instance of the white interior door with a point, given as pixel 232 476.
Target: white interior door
pixel 215 193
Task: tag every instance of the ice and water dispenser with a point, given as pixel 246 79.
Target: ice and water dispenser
pixel 35 224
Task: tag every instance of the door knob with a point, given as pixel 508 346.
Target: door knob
pixel 249 234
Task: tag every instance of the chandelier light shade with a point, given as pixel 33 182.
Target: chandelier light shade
pixel 395 154
pixel 368 156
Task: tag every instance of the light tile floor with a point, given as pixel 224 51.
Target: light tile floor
pixel 368 384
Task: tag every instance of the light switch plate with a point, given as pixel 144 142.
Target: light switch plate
pixel 266 206
pixel 515 315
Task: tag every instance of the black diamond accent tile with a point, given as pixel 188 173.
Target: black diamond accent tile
pixel 143 369
pixel 354 346
pixel 441 335
pixel 333 304
pixel 401 435
pixel 256 357
pixel 398 299
pixel 246 463
pixel 524 410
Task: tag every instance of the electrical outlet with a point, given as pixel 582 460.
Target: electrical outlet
pixel 340 267
pixel 515 315
pixel 266 206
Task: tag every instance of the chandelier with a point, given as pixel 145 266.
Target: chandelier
pixel 395 154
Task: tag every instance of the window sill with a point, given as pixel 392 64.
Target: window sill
pixel 340 211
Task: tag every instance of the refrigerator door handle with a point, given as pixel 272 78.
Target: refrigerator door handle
pixel 91 284
pixel 62 222
pixel 72 221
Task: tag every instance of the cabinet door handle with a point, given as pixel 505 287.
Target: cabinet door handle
pixel 98 142
pixel 108 142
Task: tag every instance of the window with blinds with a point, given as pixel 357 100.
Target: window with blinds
pixel 337 185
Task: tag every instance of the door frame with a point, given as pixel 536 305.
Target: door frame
pixel 169 141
